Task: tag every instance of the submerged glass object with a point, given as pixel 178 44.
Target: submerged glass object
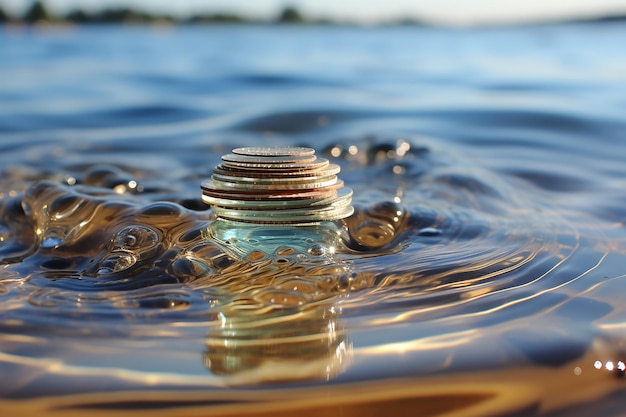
pixel 272 199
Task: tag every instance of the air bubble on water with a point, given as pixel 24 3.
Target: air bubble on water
pixel 116 263
pixel 135 238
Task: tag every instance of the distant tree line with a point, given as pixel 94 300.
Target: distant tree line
pixel 38 13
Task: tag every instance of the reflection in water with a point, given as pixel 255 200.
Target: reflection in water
pixel 248 348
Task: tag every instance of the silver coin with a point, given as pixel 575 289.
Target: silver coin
pixel 268 159
pixel 264 205
pixel 274 151
pixel 250 181
pixel 282 185
pixel 302 185
pixel 274 195
pixel 285 216
pixel 317 164
pixel 343 197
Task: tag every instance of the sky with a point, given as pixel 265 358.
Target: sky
pixel 453 12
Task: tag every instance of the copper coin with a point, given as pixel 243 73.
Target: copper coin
pixel 331 169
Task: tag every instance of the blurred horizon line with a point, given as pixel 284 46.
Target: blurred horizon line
pixel 38 13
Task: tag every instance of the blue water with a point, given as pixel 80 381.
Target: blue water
pixel 481 274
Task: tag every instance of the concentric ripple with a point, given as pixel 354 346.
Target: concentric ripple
pixel 449 248
pixel 73 243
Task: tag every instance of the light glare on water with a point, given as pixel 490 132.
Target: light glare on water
pixel 481 273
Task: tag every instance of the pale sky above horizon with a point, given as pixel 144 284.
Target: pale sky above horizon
pixel 454 12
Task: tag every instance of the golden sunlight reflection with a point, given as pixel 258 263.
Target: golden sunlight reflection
pixel 480 293
pixel 465 394
pixel 426 343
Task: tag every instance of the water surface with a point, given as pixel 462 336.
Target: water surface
pixel 481 274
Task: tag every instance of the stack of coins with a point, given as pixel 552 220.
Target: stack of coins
pixel 277 185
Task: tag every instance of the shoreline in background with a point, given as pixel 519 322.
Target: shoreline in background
pixel 37 14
